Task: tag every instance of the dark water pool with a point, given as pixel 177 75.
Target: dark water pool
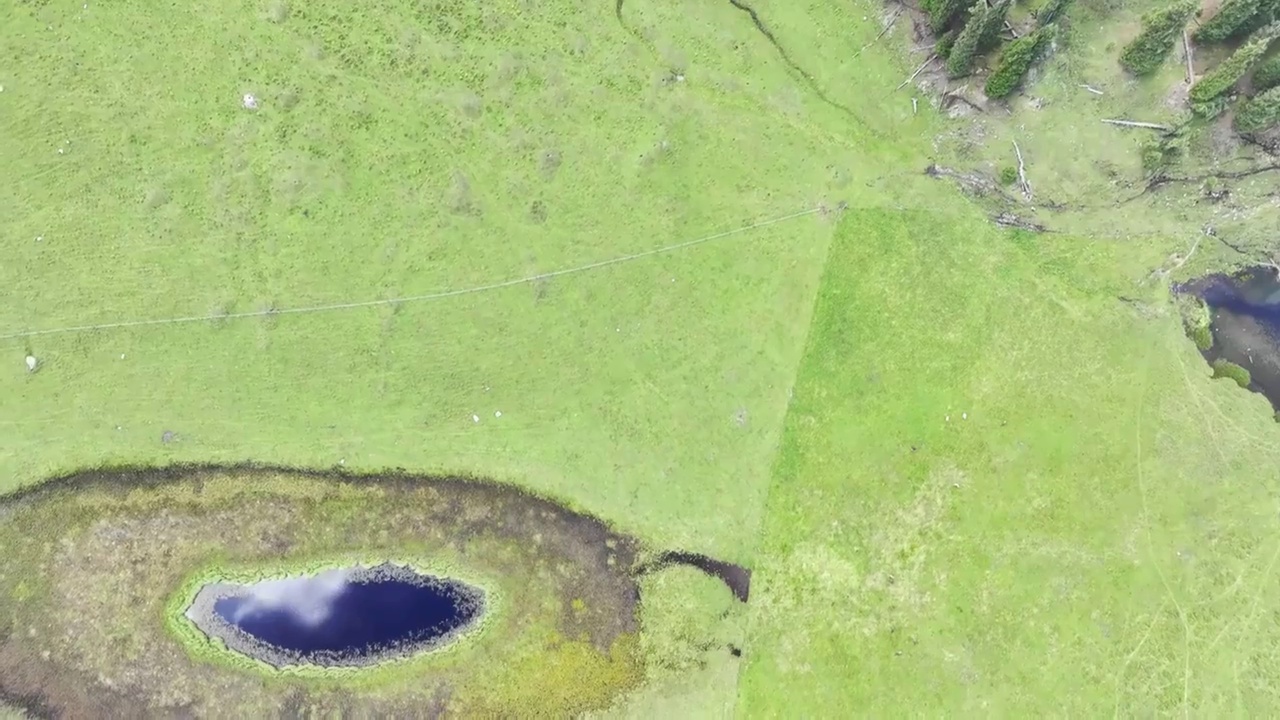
pixel 1244 324
pixel 343 616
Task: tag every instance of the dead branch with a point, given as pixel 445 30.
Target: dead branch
pixel 915 106
pixel 1022 173
pixel 973 184
pixel 1009 220
pixel 948 99
pixel 1136 124
pixel 1186 50
pixel 1092 89
pixel 919 70
pixel 923 47
pixel 887 27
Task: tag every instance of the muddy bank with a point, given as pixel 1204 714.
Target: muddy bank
pixel 1240 336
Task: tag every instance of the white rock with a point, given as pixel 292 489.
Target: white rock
pixel 250 102
pixel 964 416
pixel 497 413
pixel 475 418
pixel 31 363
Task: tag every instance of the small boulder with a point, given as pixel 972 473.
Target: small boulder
pixel 32 363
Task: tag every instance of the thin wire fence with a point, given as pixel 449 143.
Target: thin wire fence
pixel 410 298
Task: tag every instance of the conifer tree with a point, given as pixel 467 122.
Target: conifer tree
pixel 1051 11
pixel 1016 60
pixel 1229 71
pixel 1267 75
pixel 1260 112
pixel 992 23
pixel 1160 30
pixel 1230 18
pixel 965 49
pixel 942 12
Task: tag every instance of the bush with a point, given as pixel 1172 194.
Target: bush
pixel 1008 175
pixel 970 40
pixel 1260 112
pixel 1160 30
pixel 1267 75
pixel 1231 18
pixel 942 12
pixel 1227 369
pixel 1229 71
pixel 1016 60
pixel 1159 154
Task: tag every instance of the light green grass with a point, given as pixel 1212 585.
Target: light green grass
pixel 403 149
pixel 1105 551
pixel 617 388
pixel 1095 537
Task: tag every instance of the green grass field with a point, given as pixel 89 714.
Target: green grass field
pixel 968 478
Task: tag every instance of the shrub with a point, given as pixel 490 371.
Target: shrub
pixel 1016 60
pixel 1229 71
pixel 1159 154
pixel 969 42
pixel 942 12
pixel 1227 369
pixel 1160 30
pixel 1260 112
pixel 1008 175
pixel 1267 75
pixel 1231 18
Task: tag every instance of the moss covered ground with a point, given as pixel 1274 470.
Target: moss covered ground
pixel 967 476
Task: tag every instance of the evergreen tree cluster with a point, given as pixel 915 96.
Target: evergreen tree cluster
pixel 968 29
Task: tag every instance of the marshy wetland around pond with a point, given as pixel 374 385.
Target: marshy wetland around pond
pixel 124 579
pixel 1237 327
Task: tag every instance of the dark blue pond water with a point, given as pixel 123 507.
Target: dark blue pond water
pixel 335 614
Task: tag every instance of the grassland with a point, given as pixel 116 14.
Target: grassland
pixel 975 482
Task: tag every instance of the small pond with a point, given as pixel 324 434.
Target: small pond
pixel 1243 339
pixel 337 618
